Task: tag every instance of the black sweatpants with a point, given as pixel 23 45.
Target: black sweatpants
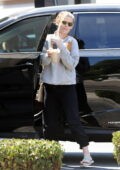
pixel 65 97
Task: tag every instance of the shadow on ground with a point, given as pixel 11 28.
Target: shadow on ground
pixel 103 161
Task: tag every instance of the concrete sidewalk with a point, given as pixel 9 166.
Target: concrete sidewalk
pixel 102 154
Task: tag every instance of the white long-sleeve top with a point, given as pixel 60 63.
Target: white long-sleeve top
pixel 62 72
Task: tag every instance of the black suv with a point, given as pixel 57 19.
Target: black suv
pixel 22 36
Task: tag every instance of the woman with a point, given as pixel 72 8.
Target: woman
pixel 61 55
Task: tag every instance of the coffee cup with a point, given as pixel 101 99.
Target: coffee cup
pixel 55 55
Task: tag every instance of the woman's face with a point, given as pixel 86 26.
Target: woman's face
pixel 65 25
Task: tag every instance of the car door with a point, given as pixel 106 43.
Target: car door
pixel 19 70
pixel 99 39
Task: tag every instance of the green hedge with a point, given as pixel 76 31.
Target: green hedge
pixel 116 142
pixel 30 154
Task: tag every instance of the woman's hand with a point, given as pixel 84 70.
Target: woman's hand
pixel 54 54
pixel 68 45
pixel 50 52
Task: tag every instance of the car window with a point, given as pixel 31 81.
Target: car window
pixel 24 35
pixel 99 30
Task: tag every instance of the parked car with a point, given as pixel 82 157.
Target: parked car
pixel 22 36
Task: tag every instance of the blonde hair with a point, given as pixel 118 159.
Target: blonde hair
pixel 62 15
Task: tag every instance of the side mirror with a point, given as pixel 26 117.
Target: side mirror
pixel 39 3
pixel 43 3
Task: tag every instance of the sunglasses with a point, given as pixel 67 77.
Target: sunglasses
pixel 70 24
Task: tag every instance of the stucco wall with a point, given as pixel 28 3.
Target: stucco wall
pixel 11 2
pixel 47 2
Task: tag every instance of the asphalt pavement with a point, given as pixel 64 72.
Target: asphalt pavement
pixel 102 153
